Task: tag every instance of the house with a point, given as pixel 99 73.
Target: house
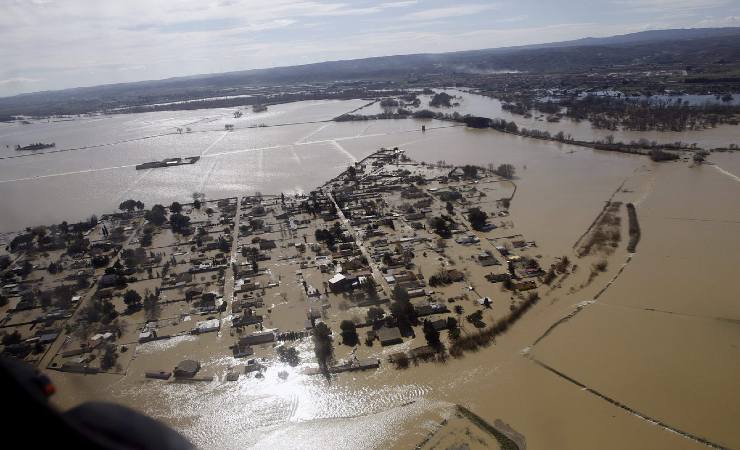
pixel 47 336
pixel 524 285
pixel 423 352
pixel 246 319
pixel 207 326
pixel 187 369
pixel 485 301
pixel 339 283
pixel 389 336
pixel 429 309
pixel 440 324
pixel 486 259
pixel 519 243
pixel 108 280
pixel 263 337
pixel 498 277
pixel 267 244
pixel 242 350
pixel 147 335
pixel 467 240
pixel 99 338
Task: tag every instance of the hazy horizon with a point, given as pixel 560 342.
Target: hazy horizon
pixel 49 45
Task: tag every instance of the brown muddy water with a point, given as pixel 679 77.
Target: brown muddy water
pixel 662 340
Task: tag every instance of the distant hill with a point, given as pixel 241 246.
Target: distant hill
pixel 659 48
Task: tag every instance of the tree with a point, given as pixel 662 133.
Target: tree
pixel 128 205
pixel 132 299
pixel 198 199
pixel 401 307
pixel 375 313
pixel 156 215
pixel 470 171
pixel 146 238
pixel 224 245
pixel 323 347
pixel 110 357
pixel 175 207
pixel 12 338
pixel 506 171
pixel 450 209
pixel 477 218
pixel 288 355
pixel 151 307
pixel 351 172
pixel 349 333
pixel 432 335
pixel 179 223
pixel 440 226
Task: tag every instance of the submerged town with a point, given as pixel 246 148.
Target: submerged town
pixel 391 250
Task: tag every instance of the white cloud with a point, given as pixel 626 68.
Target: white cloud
pixel 19 80
pixel 452 11
pixel 727 21
pixel 669 6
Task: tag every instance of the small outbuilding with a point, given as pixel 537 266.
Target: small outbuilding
pixel 187 369
pixel 389 336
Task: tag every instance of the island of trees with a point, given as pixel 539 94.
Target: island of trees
pixel 36 146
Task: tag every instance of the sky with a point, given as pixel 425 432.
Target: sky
pixel 57 44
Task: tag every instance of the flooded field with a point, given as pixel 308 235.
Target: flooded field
pixel 661 340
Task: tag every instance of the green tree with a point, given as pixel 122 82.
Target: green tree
pixel 470 171
pixel 132 298
pixel 175 207
pixel 431 335
pixel 323 347
pixel 506 171
pixel 151 307
pixel 156 215
pixel 110 357
pixel 477 218
pixel 128 205
pixel 349 333
pixel 12 338
pixel 288 355
pixel 179 223
pixel 401 307
pixel 375 313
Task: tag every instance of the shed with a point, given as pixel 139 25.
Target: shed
pixel 389 336
pixel 187 369
pixel 207 326
pixel 258 338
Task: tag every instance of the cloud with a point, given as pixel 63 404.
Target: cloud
pixel 668 6
pixel 452 11
pixel 727 21
pixel 19 80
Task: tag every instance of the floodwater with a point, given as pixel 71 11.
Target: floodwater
pixel 662 339
pixel 721 136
